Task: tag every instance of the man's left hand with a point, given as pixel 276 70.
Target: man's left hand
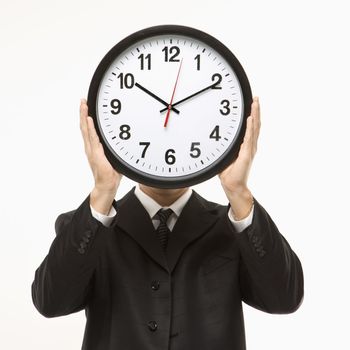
pixel 234 178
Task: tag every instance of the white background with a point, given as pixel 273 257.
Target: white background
pixel 296 55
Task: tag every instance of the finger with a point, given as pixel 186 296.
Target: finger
pixel 256 121
pixel 246 146
pixel 248 132
pixel 84 125
pixel 94 139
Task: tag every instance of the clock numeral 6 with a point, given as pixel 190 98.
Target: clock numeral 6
pixel 116 105
pixel 174 51
pixel 124 132
pixel 169 156
pixel 146 144
pixel 215 134
pixel 126 80
pixel 217 78
pixel 196 152
pixel 226 105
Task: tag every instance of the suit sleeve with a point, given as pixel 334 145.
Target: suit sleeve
pixel 271 275
pixel 63 281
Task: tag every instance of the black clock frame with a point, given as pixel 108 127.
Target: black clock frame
pixel 177 181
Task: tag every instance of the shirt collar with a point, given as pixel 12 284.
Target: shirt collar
pixel 152 206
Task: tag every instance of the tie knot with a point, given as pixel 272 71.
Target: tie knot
pixel 163 215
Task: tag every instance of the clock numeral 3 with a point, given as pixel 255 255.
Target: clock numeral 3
pixel 174 51
pixel 146 144
pixel 116 105
pixel 143 59
pixel 226 105
pixel 126 80
pixel 196 152
pixel 169 156
pixel 124 132
pixel 215 134
pixel 217 78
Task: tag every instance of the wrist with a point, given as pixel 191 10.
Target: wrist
pixel 101 200
pixel 241 202
pixel 237 191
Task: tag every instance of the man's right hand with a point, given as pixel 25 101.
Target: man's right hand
pixel 107 179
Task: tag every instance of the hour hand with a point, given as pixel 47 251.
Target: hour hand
pixel 156 97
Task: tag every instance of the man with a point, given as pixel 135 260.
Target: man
pixel 170 279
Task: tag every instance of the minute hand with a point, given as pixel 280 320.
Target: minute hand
pixel 194 94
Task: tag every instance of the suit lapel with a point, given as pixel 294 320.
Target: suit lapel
pixel 195 220
pixel 133 219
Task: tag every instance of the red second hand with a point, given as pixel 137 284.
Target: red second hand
pixel 172 97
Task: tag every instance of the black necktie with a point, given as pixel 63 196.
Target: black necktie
pixel 163 229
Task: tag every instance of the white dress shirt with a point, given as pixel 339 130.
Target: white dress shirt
pixel 152 208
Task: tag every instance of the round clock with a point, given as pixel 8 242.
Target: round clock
pixel 170 105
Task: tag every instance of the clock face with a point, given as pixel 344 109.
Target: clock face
pixel 169 104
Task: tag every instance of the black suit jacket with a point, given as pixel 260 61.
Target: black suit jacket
pixel 136 297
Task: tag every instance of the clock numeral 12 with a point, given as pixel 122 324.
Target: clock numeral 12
pixel 170 51
pixel 126 80
pixel 144 58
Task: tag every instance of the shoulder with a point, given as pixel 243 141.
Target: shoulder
pixel 213 207
pixel 123 200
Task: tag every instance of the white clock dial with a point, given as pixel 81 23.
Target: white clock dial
pixel 169 106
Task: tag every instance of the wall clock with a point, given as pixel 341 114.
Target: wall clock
pixel 170 105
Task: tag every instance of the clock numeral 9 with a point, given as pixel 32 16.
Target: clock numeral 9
pixel 126 80
pixel 144 58
pixel 215 134
pixel 196 152
pixel 124 132
pixel 169 156
pixel 226 105
pixel 174 51
pixel 116 105
pixel 146 144
pixel 217 78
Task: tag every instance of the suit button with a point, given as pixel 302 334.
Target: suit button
pixel 81 250
pixel 86 240
pixel 155 285
pixel 82 245
pixel 262 253
pixel 254 239
pixel 152 325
